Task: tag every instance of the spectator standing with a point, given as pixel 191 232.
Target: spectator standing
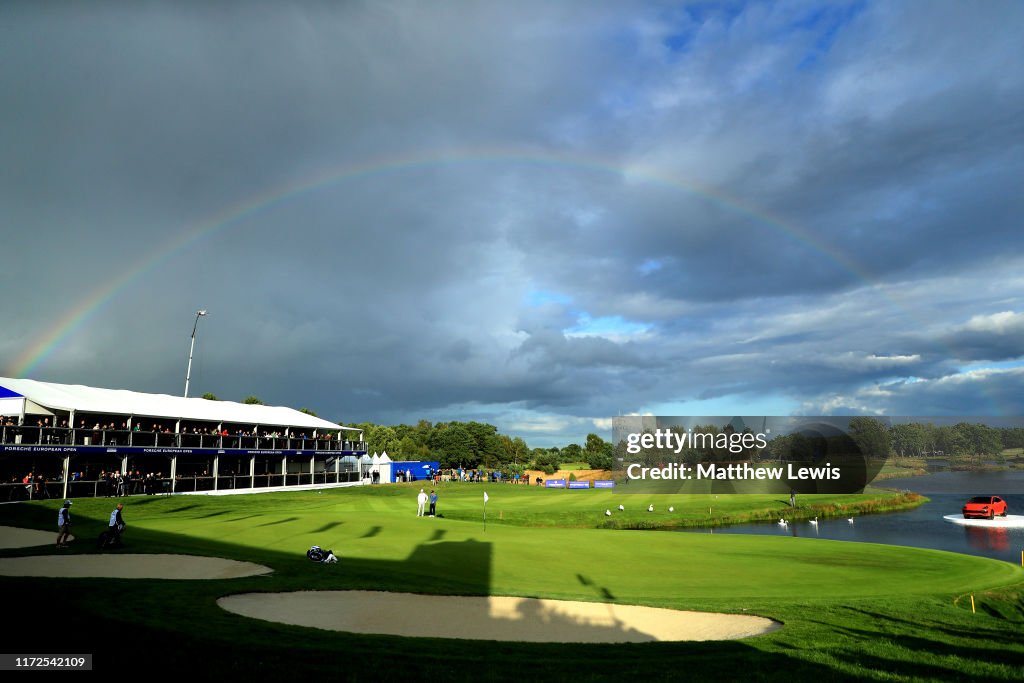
pixel 421 502
pixel 433 503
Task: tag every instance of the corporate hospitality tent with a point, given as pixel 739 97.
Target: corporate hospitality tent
pixel 385 467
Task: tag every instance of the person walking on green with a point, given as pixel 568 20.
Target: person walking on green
pixel 64 525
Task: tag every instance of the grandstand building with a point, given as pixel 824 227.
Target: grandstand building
pixel 62 441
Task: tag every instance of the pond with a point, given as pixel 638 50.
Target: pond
pixel 922 527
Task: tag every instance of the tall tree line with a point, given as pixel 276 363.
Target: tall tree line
pixel 477 444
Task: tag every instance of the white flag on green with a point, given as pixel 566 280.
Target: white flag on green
pixel 485 496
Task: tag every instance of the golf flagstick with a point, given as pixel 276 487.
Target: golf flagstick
pixel 485 511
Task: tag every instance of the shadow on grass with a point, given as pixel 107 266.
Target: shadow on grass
pixel 327 527
pixel 971 632
pixel 239 519
pixel 183 508
pixel 280 521
pixel 373 531
pixel 979 643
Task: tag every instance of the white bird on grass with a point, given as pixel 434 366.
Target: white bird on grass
pixel 650 508
pixel 621 508
pixel 671 509
pixel 608 513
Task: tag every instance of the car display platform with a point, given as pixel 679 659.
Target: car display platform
pixel 1007 522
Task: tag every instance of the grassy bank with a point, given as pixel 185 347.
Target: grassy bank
pixel 537 507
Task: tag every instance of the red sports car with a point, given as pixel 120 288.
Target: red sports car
pixel 984 506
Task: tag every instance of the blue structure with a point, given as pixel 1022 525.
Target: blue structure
pixel 419 471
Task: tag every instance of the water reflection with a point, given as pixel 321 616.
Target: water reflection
pixel 983 539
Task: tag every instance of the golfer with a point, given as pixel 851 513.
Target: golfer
pixel 433 503
pixel 116 526
pixel 64 525
pixel 421 502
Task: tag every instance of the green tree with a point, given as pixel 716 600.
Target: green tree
pixel 1013 437
pixel 520 451
pixel 978 439
pixel 951 442
pixel 382 438
pixel 210 396
pixel 253 401
pixel 572 453
pixel 546 459
pixel 871 436
pixel 307 411
pixel 908 440
pixel 454 446
pixel 408 449
pixel 598 453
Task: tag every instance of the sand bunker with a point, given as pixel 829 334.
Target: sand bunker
pixel 130 567
pixel 491 618
pixel 13 537
pixel 1007 522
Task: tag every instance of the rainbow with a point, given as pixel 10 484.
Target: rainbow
pixel 50 340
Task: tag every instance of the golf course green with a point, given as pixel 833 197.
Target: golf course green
pixel 849 610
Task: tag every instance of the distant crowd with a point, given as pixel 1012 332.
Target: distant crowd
pixel 457 474
pixel 163 433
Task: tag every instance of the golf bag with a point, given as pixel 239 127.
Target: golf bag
pixel 318 554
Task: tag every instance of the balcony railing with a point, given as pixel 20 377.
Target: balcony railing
pixel 53 436
pixel 98 488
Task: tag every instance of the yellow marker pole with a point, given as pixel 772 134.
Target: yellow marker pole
pixel 972 604
pixel 1022 558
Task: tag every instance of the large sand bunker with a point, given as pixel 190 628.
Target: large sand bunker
pixel 13 537
pixel 129 567
pixel 491 618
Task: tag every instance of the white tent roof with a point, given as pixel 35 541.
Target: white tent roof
pixel 84 399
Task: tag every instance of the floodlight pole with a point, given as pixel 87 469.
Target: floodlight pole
pixel 191 348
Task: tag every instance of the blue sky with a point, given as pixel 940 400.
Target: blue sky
pixel 539 214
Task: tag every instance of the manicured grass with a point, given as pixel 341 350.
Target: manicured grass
pixel 535 506
pixel 902 467
pixel 850 610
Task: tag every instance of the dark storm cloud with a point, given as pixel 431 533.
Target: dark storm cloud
pixel 541 214
pixel 995 337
